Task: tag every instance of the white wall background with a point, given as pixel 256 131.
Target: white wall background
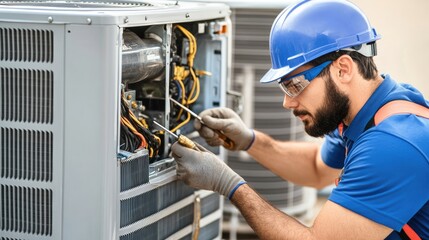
pixel 403 50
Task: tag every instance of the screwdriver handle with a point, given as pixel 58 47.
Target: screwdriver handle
pixel 227 142
pixel 184 141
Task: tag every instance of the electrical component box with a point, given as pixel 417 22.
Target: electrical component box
pixel 81 83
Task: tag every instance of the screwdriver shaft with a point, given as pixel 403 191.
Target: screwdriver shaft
pixel 183 140
pixel 165 129
pixel 188 110
pixel 227 143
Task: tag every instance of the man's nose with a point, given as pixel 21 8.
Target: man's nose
pixel 289 103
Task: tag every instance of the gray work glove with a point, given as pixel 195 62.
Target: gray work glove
pixel 228 122
pixel 204 170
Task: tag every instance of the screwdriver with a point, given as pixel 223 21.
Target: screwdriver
pixel 183 140
pixel 227 143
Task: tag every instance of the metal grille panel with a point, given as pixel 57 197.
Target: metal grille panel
pixel 26 154
pixel 211 231
pixel 27 45
pixel 251 49
pixel 26 95
pixel 137 208
pixel 135 172
pixel 210 204
pixel 141 206
pixel 164 227
pixel 26 210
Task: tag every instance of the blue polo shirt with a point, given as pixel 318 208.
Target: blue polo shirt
pixel 386 170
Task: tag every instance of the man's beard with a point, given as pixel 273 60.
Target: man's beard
pixel 330 115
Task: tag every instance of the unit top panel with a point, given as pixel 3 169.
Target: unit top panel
pixel 252 4
pixel 121 13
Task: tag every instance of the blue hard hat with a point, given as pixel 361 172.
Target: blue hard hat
pixel 312 28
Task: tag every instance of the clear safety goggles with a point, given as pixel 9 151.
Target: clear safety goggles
pixel 293 86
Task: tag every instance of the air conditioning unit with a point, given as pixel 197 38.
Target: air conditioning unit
pixel 81 83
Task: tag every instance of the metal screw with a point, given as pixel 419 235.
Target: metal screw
pixel 89 21
pixel 187 15
pixel 50 19
pixel 126 20
pixel 134 105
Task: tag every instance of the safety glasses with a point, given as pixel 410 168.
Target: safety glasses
pixel 293 86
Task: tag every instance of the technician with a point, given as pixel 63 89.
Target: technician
pixel 322 58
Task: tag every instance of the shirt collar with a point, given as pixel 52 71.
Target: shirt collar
pixel 377 99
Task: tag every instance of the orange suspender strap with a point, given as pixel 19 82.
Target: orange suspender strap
pixel 399 107
pixel 409 232
pixel 341 128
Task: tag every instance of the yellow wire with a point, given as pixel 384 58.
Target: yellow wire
pixel 195 86
pixel 195 90
pixel 192 52
pixel 182 123
pixel 151 151
pixel 144 123
pixel 131 127
pixel 183 98
pixel 136 120
pixel 192 45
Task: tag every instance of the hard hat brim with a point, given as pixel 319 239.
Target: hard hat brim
pixel 275 74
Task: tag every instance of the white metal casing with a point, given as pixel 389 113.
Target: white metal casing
pixel 78 114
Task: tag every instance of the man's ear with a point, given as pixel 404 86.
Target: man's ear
pixel 344 68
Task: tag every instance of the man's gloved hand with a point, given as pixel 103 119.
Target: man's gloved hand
pixel 204 170
pixel 227 121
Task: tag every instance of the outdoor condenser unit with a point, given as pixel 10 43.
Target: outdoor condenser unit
pixel 80 86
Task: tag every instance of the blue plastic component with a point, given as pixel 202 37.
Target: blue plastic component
pixel 309 74
pixel 122 155
pixel 311 28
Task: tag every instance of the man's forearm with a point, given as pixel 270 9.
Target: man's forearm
pixel 265 220
pixel 295 161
